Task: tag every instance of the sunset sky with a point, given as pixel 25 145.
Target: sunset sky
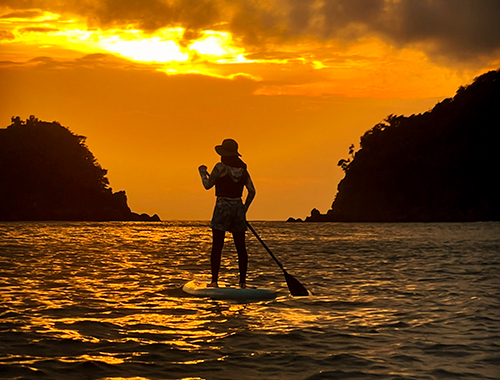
pixel 156 84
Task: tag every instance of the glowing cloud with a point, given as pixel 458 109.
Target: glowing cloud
pixel 135 46
pixel 215 44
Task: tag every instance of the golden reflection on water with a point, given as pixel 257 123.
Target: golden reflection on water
pixel 171 329
pixel 88 294
pixel 73 335
pixel 106 358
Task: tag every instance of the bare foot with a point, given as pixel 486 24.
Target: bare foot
pixel 213 285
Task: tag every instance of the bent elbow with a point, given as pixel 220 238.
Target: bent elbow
pixel 207 185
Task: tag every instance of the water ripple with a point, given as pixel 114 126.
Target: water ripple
pixel 390 301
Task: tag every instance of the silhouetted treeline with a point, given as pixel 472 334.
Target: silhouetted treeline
pixel 442 165
pixel 48 173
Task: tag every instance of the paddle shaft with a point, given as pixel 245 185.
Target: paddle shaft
pixel 295 287
pixel 266 247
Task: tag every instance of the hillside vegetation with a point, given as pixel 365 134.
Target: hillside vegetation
pixel 442 165
pixel 48 173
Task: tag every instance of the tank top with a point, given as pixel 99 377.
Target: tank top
pixel 226 187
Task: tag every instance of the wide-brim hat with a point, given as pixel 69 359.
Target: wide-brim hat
pixel 229 147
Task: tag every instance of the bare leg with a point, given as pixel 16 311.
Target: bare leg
pixel 215 258
pixel 239 241
pixel 217 245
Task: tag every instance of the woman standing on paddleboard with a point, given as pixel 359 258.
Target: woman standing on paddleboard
pixel 229 176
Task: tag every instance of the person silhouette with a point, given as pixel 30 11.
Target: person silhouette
pixel 229 176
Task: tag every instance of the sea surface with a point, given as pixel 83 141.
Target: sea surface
pixel 389 301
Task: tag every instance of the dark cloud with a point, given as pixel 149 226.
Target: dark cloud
pixel 343 13
pixel 457 29
pixel 148 15
pixel 256 25
pixel 461 29
pixel 144 14
pixel 300 14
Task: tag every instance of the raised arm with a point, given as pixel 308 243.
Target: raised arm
pixel 208 180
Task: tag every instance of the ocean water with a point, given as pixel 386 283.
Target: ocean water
pixel 389 301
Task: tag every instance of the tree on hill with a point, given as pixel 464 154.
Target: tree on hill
pixel 438 166
pixel 48 173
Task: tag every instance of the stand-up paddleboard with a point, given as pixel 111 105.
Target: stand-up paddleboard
pixel 199 288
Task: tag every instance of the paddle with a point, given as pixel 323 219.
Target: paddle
pixel 296 288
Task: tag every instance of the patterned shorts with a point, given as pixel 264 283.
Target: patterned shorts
pixel 229 215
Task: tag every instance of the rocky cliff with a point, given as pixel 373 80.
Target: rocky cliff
pixel 442 165
pixel 48 173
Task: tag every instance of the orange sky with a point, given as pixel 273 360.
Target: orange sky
pixel 156 84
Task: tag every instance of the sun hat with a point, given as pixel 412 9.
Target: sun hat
pixel 229 147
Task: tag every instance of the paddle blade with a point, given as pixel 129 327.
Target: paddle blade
pixel 296 288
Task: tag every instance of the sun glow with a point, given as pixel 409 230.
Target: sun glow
pixel 144 49
pixel 45 30
pixel 306 67
pixel 216 44
pixel 165 46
